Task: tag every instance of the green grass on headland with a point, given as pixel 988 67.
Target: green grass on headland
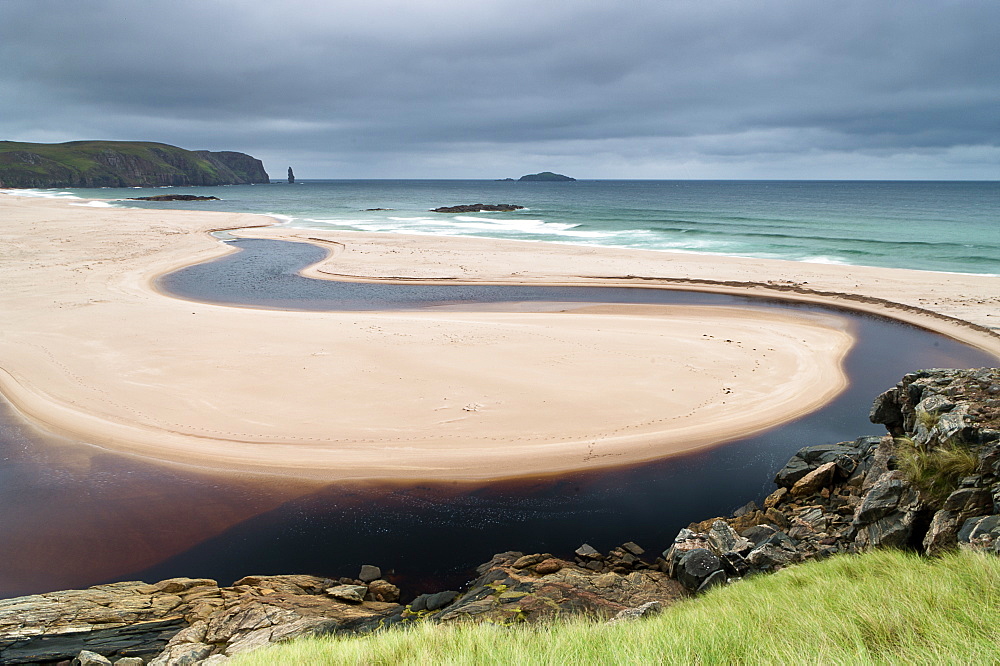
pixel 121 164
pixel 881 607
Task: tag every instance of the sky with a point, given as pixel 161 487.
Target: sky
pixel 659 89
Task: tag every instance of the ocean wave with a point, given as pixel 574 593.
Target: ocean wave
pixel 516 225
pixel 95 204
pixel 844 240
pixel 468 225
pixel 42 194
pixel 694 245
pixel 823 259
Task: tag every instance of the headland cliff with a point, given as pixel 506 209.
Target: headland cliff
pixel 122 164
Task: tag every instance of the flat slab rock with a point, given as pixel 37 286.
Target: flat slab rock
pixel 193 617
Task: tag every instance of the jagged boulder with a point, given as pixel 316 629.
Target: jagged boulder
pixel 695 567
pixel 433 602
pixel 350 593
pixel 88 658
pixel 960 506
pixel 382 590
pixel 981 533
pixel 812 482
pixel 845 455
pixel 368 573
pixel 645 610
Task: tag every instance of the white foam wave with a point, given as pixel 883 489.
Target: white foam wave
pixel 695 245
pixel 378 227
pixel 470 225
pixel 516 224
pixel 821 259
pixel 95 204
pixel 335 223
pixel 41 194
pixel 282 219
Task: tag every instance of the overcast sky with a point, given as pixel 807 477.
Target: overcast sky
pixel 490 88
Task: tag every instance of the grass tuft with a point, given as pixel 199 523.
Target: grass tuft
pixel 935 471
pixel 928 419
pixel 881 607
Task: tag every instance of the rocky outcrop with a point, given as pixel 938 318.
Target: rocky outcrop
pixel 948 423
pixel 174 197
pixel 478 208
pixel 122 164
pixel 183 620
pixel 514 587
pixel 192 621
pixel 932 484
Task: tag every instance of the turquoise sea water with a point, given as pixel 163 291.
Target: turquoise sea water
pixel 942 226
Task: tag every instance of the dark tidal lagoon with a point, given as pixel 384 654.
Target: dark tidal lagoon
pixel 74 515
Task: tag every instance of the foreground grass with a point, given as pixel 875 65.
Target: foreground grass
pixel 882 607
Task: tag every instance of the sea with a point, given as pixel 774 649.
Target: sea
pixel 949 226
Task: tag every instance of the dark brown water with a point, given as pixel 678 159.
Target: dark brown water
pixel 73 515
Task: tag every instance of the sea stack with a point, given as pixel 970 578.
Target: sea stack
pixel 291 176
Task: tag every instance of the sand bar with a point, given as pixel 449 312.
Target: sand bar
pixel 90 349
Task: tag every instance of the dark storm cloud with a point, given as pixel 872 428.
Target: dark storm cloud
pixel 641 89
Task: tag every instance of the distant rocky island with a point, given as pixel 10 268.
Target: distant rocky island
pixel 122 164
pixel 544 176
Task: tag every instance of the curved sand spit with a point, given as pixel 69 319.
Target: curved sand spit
pixel 88 348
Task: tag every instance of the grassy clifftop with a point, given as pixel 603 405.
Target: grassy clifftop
pixel 881 607
pixel 122 164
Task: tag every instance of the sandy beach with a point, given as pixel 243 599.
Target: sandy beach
pixel 90 349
